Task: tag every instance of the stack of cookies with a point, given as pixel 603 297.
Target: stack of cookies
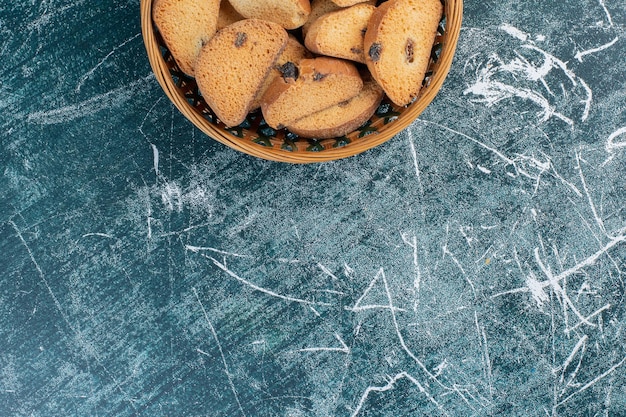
pixel 318 68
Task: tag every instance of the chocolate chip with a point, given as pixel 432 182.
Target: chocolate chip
pixel 408 50
pixel 318 76
pixel 375 51
pixel 240 39
pixel 289 70
pixel 356 51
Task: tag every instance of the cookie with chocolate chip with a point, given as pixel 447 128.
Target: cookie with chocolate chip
pixel 317 84
pixel 340 33
pixel 398 42
pixel 233 65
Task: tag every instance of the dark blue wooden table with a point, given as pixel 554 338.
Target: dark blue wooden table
pixel 474 265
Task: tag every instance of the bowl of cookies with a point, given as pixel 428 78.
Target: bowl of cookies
pixel 301 81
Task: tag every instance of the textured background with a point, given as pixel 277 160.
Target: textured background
pixel 473 265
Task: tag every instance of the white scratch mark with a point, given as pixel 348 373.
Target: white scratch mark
pixel 493 91
pixel 579 55
pixel 589 317
pixel 446 251
pixel 315 311
pixel 45 18
pixel 487 259
pixel 476 141
pixel 611 145
pixel 592 382
pixel 149 220
pixel 404 345
pixel 598 219
pixel 587 101
pixel 606 11
pixel 110 99
pixel 441 367
pixel 482 338
pixel 556 61
pixel 343 349
pixel 171 196
pixel 219 346
pixel 483 169
pixel 91 71
pixel 589 260
pixel 357 305
pixel 183 231
pixel 356 309
pixel 99 235
pixel 585 288
pixel 143 122
pixel 42 277
pixel 417 281
pixel 468 239
pixel 155 159
pixel 515 32
pixel 295 227
pixel 327 271
pixel 536 290
pixel 415 163
pixel 389 386
pixel 260 289
pixel 564 181
pixel 58 306
pixel 288 261
pixel 516 163
pixel 567 302
pixel 197 249
pixel 331 291
pixel 247 221
pixel 581 344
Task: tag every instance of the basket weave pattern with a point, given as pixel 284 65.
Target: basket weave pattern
pixel 256 138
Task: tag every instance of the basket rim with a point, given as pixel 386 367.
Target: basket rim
pixel 453 11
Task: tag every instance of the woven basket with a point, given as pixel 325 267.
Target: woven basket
pixel 255 138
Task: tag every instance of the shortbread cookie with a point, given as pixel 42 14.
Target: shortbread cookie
pixel 341 118
pixel 290 14
pixel 340 33
pixel 232 66
pixel 398 53
pixel 314 85
pixel 185 26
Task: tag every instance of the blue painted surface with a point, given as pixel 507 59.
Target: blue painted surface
pixel 474 265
